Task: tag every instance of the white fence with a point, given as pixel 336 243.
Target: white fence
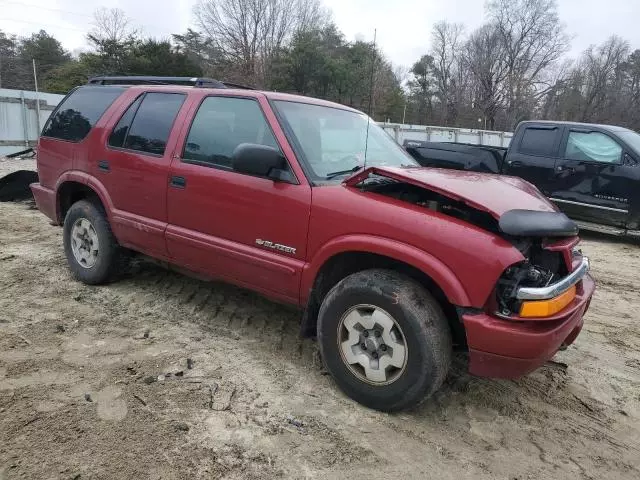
pixel 20 124
pixel 401 132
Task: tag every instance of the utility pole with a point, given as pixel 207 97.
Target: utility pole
pixel 35 82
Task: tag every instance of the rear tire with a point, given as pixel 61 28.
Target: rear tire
pixel 92 251
pixel 374 314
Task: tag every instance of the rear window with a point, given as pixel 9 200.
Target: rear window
pixel 539 141
pixel 79 112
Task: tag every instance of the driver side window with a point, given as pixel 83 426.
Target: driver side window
pixel 592 147
pixel 220 125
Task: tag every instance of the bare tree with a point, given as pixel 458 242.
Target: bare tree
pixel 311 15
pixel 111 25
pixel 484 60
pixel 251 33
pixel 533 40
pixel 446 50
pixel 603 77
pixel 112 35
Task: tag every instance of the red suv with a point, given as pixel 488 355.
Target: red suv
pixel 311 203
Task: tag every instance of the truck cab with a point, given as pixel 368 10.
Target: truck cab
pixel 592 172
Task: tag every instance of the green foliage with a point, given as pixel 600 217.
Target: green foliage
pixel 144 57
pixel 45 50
pixel 152 57
pixel 65 77
pixel 320 63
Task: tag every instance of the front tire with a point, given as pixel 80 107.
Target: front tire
pixel 92 251
pixel 384 339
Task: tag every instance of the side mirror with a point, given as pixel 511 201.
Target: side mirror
pixel 260 160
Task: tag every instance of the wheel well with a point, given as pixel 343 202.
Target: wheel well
pixel 70 192
pixel 343 264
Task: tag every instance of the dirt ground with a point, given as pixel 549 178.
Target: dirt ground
pixel 94 383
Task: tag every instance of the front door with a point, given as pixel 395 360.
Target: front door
pixel 249 230
pixel 592 178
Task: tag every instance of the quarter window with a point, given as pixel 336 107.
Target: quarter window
pixel 146 124
pixel 119 134
pixel 593 147
pixel 538 141
pixel 220 125
pixel 79 112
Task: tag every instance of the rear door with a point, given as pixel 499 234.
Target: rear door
pixel 134 168
pixel 246 229
pixel 533 155
pixel 593 177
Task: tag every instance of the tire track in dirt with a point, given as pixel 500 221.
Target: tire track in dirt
pixel 556 423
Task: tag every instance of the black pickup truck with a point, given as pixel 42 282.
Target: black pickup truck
pixel 592 172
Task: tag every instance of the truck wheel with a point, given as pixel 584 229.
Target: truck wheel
pixel 384 339
pixel 92 251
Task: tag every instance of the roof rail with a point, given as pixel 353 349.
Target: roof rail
pixel 144 80
pixel 237 85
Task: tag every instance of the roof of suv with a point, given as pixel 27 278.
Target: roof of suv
pixel 287 97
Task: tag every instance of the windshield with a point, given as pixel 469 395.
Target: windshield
pixel 632 138
pixel 334 141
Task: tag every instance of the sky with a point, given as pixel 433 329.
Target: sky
pixel 403 26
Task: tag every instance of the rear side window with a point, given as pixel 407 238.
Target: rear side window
pixel 79 112
pixel 119 134
pixel 539 141
pixel 146 124
pixel 220 125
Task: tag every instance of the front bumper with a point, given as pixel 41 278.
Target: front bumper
pixel 503 348
pixel 45 201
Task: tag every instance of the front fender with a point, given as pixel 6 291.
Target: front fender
pixel 423 261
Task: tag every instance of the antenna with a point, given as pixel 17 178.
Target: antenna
pixel 373 66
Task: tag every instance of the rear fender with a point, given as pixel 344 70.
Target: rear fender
pixel 85 179
pixel 430 265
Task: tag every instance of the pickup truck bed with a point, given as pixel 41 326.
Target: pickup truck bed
pixel 457 156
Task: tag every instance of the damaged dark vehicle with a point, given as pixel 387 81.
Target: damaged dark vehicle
pixel 592 172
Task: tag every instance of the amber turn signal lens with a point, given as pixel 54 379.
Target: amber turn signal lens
pixel 546 308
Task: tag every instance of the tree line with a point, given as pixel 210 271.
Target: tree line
pixel 512 68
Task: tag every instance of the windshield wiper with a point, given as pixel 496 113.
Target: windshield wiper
pixel 343 172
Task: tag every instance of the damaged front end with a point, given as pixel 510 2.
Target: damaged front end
pixel 541 285
pixel 536 305
pixel 546 282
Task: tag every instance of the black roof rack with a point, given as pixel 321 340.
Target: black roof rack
pixel 201 82
pixel 238 86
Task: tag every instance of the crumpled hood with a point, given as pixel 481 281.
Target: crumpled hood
pixel 495 194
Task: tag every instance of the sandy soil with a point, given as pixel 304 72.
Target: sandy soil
pixel 94 383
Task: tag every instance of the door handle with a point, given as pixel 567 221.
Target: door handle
pixel 562 168
pixel 514 163
pixel 178 182
pixel 103 165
